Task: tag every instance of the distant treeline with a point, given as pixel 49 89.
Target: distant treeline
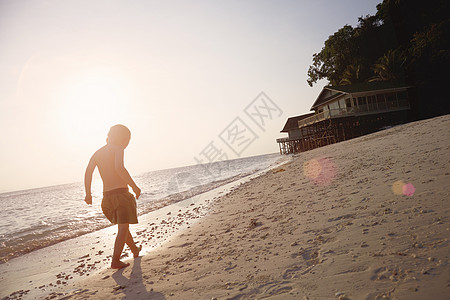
pixel 406 41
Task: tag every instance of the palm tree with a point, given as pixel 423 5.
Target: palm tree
pixel 390 67
pixel 351 74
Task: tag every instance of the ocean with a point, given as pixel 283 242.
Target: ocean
pixel 36 218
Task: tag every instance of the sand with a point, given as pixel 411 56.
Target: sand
pixel 367 218
pixel 51 270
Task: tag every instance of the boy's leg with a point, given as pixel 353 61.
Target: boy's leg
pixel 130 242
pixel 121 237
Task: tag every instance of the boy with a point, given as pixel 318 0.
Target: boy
pixel 118 205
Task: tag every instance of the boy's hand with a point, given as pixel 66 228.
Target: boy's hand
pixel 137 191
pixel 88 199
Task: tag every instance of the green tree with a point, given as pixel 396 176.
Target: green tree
pixel 351 75
pixel 406 40
pixel 390 67
pixel 429 52
pixel 349 53
pixel 334 57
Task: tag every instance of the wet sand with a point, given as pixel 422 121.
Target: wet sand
pixel 363 219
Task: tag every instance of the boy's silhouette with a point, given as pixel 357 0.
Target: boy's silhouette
pixel 118 205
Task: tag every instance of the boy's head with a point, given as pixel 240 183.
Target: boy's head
pixel 119 135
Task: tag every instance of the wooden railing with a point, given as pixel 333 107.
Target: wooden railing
pixel 356 111
pixel 282 140
pixel 314 119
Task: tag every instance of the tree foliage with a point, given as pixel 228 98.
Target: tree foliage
pixel 389 67
pixel 401 38
pixel 338 53
pixel 406 41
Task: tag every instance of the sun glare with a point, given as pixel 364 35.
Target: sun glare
pixel 91 103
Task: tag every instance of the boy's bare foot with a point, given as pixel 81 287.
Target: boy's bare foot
pixel 119 265
pixel 136 252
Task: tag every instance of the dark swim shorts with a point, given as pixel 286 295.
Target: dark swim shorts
pixel 119 206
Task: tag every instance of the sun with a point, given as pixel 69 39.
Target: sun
pixel 91 102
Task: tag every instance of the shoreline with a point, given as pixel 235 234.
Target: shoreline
pixel 73 219
pixel 90 253
pixel 330 225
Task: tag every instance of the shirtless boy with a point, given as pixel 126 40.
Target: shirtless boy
pixel 118 205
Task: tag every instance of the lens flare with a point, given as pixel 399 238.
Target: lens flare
pixel 401 188
pixel 312 169
pixel 408 189
pixel 397 187
pixel 321 171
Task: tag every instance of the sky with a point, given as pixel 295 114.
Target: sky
pixel 195 81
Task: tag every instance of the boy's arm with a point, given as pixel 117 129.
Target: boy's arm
pixel 88 180
pixel 123 173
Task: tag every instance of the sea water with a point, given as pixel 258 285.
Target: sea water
pixel 33 219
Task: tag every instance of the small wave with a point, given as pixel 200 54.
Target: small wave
pixel 71 219
pixel 194 191
pixel 30 240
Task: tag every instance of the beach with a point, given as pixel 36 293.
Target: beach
pixel 367 218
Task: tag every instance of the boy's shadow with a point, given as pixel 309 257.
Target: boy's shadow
pixel 138 291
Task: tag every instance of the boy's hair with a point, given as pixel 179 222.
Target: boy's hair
pixel 118 134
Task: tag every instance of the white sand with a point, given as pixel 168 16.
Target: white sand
pixel 51 269
pixel 345 232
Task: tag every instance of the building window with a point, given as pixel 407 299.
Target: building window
pixel 361 101
pixel 334 108
pixel 391 100
pixel 342 104
pixel 402 98
pixel 381 102
pixel 348 102
pixel 372 103
pixel 362 105
pixel 402 95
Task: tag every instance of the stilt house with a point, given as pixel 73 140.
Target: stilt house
pixel 344 112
